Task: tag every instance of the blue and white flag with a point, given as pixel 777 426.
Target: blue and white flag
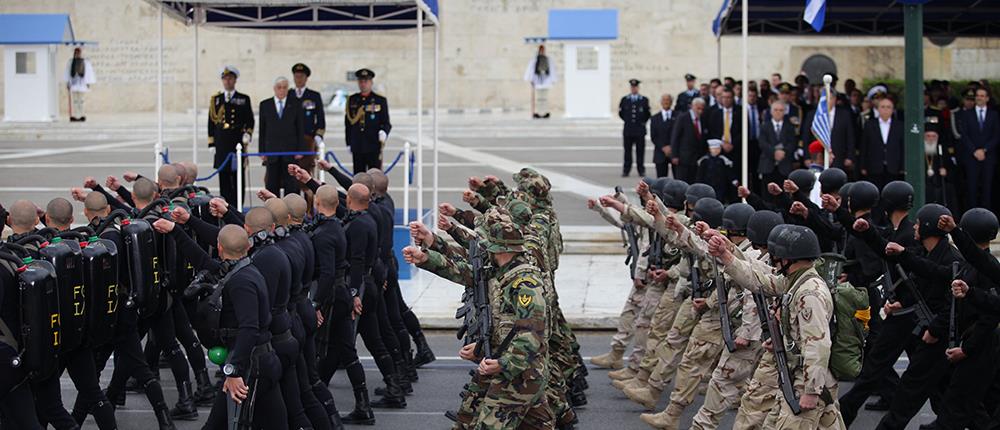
pixel 821 121
pixel 815 14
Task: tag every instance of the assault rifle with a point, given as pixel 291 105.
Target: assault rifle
pixel 919 307
pixel 630 240
pixel 784 375
pixel 956 273
pixel 723 296
pixel 697 289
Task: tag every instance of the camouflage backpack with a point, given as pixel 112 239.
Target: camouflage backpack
pixel 849 325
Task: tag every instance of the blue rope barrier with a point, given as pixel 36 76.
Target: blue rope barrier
pixel 412 159
pixel 165 155
pixel 398 156
pixel 330 154
pixel 277 154
pixel 226 162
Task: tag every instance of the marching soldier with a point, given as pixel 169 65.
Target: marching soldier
pixel 366 123
pixel 230 122
pixel 634 110
pixel 313 118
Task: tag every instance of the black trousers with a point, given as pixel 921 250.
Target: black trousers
pixel 48 394
pixel 639 145
pixel 686 173
pixel 269 412
pixel 370 328
pixel 395 307
pixel 366 160
pixel 892 339
pixel 161 328
pixel 129 358
pixel 227 185
pixel 924 379
pixel 663 169
pixel 882 177
pixel 276 177
pixel 287 350
pixel 185 335
pixel 315 408
pixel 17 405
pixel 968 386
pixel 341 340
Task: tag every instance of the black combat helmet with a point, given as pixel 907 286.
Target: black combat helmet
pixel 831 180
pixel 803 178
pixel 760 225
pixel 708 210
pixel 927 219
pixel 897 196
pixel 659 186
pixel 792 242
pixel 863 195
pixel 697 192
pixel 649 181
pixel 981 224
pixel 674 194
pixel 845 190
pixel 735 219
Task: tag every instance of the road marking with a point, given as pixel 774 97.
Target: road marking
pixel 208 166
pixel 87 148
pixel 560 181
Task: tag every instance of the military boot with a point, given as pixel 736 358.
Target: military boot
pixel 206 390
pixel 155 395
pixel 644 394
pixel 620 384
pixel 669 419
pixel 394 397
pixel 424 354
pixel 185 409
pixel 163 419
pixel 362 413
pixel 609 360
pixel 626 373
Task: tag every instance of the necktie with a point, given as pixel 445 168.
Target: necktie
pixel 228 96
pixel 982 118
pixel 697 128
pixel 753 122
pixel 777 129
pixel 725 127
pixel 298 92
pixel 281 107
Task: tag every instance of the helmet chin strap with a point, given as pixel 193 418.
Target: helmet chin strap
pixel 782 266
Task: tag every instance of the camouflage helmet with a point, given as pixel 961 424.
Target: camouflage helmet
pixel 518 210
pixel 502 236
pixel 491 216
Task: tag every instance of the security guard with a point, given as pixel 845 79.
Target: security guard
pixel 366 123
pixel 313 116
pixel 684 98
pixel 230 122
pixel 634 110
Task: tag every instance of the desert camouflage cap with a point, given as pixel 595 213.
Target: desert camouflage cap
pixel 502 236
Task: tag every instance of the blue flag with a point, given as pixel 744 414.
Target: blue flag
pixel 815 14
pixel 821 121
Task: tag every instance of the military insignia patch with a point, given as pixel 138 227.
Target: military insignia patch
pixel 308 104
pixel 524 300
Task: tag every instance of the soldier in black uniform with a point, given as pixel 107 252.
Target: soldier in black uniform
pixel 684 99
pixel 366 123
pixel 313 115
pixel 252 368
pixel 634 110
pixel 230 122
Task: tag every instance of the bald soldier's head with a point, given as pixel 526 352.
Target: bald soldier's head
pixel 168 177
pixel 358 197
pixel 23 216
pixel 259 219
pixel 366 180
pixel 59 214
pixel 190 172
pixel 297 207
pixel 380 180
pixel 326 200
pixel 95 206
pixel 279 209
pixel 233 242
pixel 143 192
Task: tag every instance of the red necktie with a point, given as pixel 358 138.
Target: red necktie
pixel 697 128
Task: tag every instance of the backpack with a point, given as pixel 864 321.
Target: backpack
pixel 849 325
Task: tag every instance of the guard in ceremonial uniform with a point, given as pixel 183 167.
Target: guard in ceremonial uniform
pixel 366 123
pixel 313 116
pixel 684 99
pixel 230 122
pixel 634 110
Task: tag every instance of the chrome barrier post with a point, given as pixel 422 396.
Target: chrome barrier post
pixel 239 177
pixel 321 155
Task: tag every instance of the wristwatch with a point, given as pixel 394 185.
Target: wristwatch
pixel 229 370
pixel 354 292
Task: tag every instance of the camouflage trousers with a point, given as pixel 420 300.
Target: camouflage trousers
pixel 825 416
pixel 660 325
pixel 472 396
pixel 626 321
pixel 643 322
pixel 669 352
pixel 506 407
pixel 560 358
pixel 758 406
pixel 698 360
pixel 728 380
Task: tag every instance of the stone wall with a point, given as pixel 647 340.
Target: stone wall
pixel 483 53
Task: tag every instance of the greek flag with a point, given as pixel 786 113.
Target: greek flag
pixel 815 14
pixel 821 122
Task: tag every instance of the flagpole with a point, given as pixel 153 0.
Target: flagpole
pixel 827 79
pixel 744 130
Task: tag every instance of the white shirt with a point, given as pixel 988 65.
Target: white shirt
pixel 229 95
pixel 981 114
pixel 883 126
pixel 665 114
pixel 299 92
pixel 279 104
pixel 777 128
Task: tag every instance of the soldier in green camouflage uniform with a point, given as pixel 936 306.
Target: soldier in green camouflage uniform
pixel 514 382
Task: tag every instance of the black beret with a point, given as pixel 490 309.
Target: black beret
pixel 301 68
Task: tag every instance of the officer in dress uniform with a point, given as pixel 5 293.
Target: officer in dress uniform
pixel 314 118
pixel 684 98
pixel 230 122
pixel 366 123
pixel 634 110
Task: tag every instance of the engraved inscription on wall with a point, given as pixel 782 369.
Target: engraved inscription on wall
pixel 130 61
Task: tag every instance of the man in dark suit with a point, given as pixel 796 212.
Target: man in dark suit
pixel 753 134
pixel 777 142
pixel 684 99
pixel 366 123
pixel 843 135
pixel 634 110
pixel 980 130
pixel 687 142
pixel 230 123
pixel 281 131
pixel 882 147
pixel 660 127
pixel 725 120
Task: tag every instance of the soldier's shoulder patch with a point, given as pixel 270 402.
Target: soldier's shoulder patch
pixel 526 281
pixel 524 300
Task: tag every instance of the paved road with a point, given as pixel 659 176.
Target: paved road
pixel 438 391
